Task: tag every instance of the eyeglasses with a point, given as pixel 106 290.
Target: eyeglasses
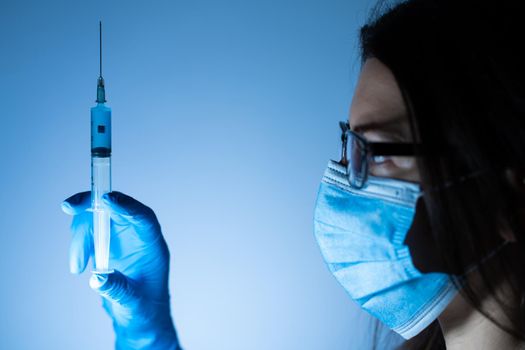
pixel 357 151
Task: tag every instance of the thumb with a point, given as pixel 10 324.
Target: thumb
pixel 114 287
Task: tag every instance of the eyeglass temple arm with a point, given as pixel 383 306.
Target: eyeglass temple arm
pixel 396 149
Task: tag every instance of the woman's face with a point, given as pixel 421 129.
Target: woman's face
pixel 379 113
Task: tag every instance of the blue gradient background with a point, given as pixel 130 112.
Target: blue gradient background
pixel 224 116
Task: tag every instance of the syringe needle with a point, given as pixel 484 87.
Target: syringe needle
pixel 100 42
pixel 101 93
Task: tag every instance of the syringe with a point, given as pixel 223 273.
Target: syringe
pixel 100 172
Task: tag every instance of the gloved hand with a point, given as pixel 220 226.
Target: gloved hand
pixel 136 295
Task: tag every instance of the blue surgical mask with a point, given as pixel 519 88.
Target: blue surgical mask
pixel 361 233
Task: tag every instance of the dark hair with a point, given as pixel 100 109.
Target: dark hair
pixel 460 66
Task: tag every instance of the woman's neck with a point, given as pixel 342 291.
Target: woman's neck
pixel 466 328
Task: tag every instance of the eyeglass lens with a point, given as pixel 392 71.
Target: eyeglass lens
pixel 357 161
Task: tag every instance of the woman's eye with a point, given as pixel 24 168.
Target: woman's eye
pixel 379 159
pixel 382 166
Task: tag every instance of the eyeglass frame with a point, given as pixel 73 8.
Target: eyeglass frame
pixel 371 149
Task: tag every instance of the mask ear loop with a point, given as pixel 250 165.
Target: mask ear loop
pixel 486 258
pixel 458 180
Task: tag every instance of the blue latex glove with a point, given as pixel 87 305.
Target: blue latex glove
pixel 136 295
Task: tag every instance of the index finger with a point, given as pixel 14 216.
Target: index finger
pixel 77 203
pixel 127 210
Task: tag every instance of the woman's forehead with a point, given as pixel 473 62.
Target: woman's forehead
pixel 377 98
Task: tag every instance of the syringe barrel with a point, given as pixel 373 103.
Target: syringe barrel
pixel 100 131
pixel 100 183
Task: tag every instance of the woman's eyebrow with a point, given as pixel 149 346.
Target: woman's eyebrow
pixel 394 125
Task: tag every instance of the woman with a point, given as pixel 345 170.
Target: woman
pixel 422 220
